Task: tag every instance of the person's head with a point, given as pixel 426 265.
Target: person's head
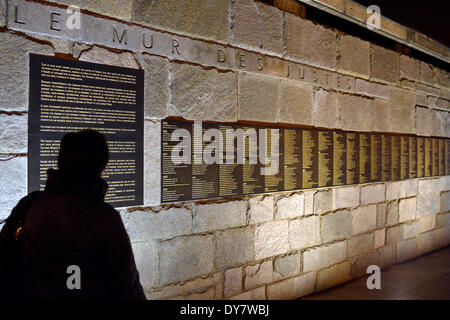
pixel 83 154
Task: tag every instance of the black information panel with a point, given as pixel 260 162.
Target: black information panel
pixel 69 96
pixel 210 160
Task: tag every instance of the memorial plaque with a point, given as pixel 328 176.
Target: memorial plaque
pixel 420 157
pixel 339 158
pixel 352 147
pixel 375 157
pixel 206 148
pixel 386 157
pixel 395 156
pixel 176 168
pixel 252 180
pixel 69 96
pixel 292 159
pixel 441 157
pixel 404 157
pixel 325 158
pixel 428 157
pixel 435 157
pixel 230 168
pixel 274 167
pixel 309 158
pixel 412 157
pixel 364 157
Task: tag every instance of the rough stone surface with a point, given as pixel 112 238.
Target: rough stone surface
pixel 234 247
pixel 407 209
pixel 443 220
pixel 14 50
pixel 145 256
pixel 360 245
pixel 333 276
pixel 3 9
pixel 388 256
pixel 184 258
pixel 287 266
pixel 410 230
pixel 385 64
pixel 232 282
pixel 394 235
pixel 359 265
pixel 115 8
pixel 283 290
pixel 406 250
pixel 258 275
pixel 372 193
pixel 156 94
pixel 346 197
pixel 426 223
pixel 355 113
pixel 13 133
pixel 428 201
pixel 428 241
pixel 408 67
pixel 13 184
pixel 380 115
pixel 296 101
pixel 260 209
pixel 255 294
pixel 304 233
pixel 336 225
pixel 392 213
pixel 325 256
pixel 202 94
pixel 271 239
pixel 310 42
pixel 445 201
pixel 289 206
pixel 379 238
pixel 440 123
pixel 354 56
pixel 372 89
pixel 208 217
pixel 309 202
pixel 304 284
pixel 424 118
pixel 323 201
pixel 364 219
pixel 163 224
pixel 204 18
pixel 152 162
pixel 381 214
pixel 271 24
pixel 401 108
pixel 426 72
pixel 104 56
pixel 258 98
pixel 325 112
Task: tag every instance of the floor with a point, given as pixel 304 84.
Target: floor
pixel 424 278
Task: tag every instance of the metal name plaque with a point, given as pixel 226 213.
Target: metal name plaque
pixel 213 160
pixel 69 96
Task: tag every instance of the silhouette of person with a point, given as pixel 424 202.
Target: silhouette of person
pixel 73 244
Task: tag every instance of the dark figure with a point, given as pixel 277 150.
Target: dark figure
pixel 69 224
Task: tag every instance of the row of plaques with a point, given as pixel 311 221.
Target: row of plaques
pixel 211 160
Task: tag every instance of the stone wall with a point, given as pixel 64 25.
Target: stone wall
pixel 238 60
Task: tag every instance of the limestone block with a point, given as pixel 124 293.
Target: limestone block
pixel 206 295
pixel 392 213
pixel 232 282
pixel 184 258
pixel 445 201
pixel 283 290
pixel 388 256
pixel 14 60
pixel 289 206
pixel 336 225
pixel 324 256
pixel 13 133
pixel 234 247
pixel 204 18
pixel 286 266
pixel 310 42
pixel 304 284
pixel 271 238
pixel 325 109
pixel 323 200
pixel 203 94
pixel 258 98
pixel 409 67
pixel 296 103
pixel 309 202
pixel 360 245
pixel 373 193
pixel 384 64
pixel 104 56
pixel 304 233
pixel 443 220
pixel 255 294
pixel 429 241
pixel 157 223
pixel 346 197
pixel 116 8
pixel 406 250
pixel 152 162
pixel 3 10
pixel 257 275
pixel 380 115
pixel 333 276
pixel 209 216
pixel 354 56
pixel 371 89
pixel 13 184
pixel 355 112
pixel 359 265
pixel 428 197
pixel 426 73
pixel 393 189
pixel 379 238
pixel 145 256
pixel 271 24
pixel 364 219
pixel 260 209
pixel 394 234
pixel 410 230
pixel 407 209
pixel 440 121
pixel 402 107
pixel 381 214
pixel 156 80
